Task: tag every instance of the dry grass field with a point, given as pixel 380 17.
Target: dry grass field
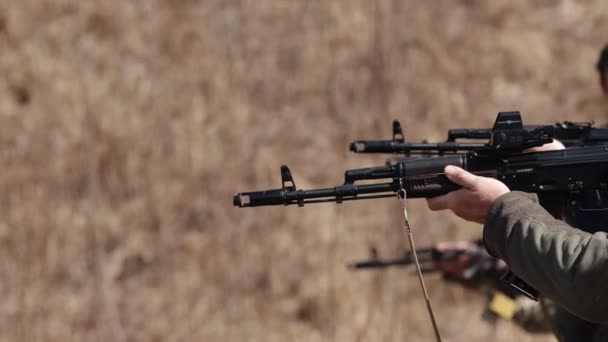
pixel 127 126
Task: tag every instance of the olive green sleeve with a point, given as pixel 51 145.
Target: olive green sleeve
pixel 565 264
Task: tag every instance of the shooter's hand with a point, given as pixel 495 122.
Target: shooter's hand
pixel 472 202
pixel 552 146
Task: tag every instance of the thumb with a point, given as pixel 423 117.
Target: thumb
pixel 461 177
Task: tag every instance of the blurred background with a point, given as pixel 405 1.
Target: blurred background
pixel 127 126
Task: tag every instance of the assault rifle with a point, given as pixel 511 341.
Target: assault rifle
pixel 555 173
pixel 482 267
pixel 426 256
pixel 569 133
pixel 420 178
pixel 483 273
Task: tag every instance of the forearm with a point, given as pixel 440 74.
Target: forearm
pixel 563 263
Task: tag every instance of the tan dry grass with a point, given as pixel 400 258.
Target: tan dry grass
pixel 126 126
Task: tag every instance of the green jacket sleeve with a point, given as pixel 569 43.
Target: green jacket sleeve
pixel 565 264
